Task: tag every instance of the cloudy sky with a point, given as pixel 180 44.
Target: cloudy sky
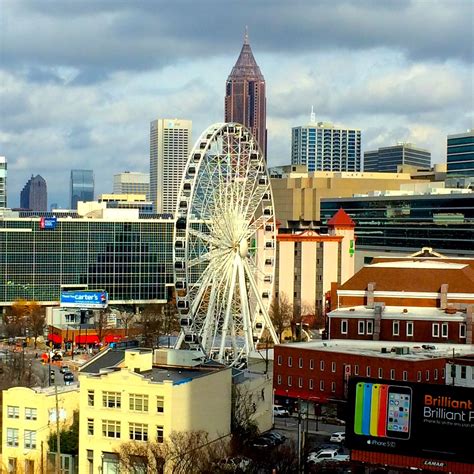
pixel 80 80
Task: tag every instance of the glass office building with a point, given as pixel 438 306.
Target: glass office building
pixel 443 222
pixel 132 261
pixel 460 154
pixel 3 182
pixel 387 159
pixel 81 186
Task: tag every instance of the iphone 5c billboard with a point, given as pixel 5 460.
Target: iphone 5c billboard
pixel 411 418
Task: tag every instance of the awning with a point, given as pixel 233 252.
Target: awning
pixel 55 338
pixel 112 338
pixel 87 339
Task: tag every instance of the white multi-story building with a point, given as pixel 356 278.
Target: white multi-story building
pixel 322 146
pixel 3 181
pixel 132 182
pixel 170 144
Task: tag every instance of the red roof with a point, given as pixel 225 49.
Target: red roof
pixel 341 219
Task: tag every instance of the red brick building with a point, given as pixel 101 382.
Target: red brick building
pixel 422 298
pixel 319 371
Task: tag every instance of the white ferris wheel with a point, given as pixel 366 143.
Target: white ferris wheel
pixel 225 246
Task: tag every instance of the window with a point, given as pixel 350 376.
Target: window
pixel 160 404
pixel 409 329
pixel 278 379
pixel 333 387
pixel 138 431
pixel 111 399
pixel 369 325
pixel 90 461
pixel 90 398
pixel 463 371
pixel 110 429
pixel 361 327
pixel 436 374
pixel 311 384
pixel 30 439
pixel 290 380
pixel 11 465
pixel 435 330
pixel 311 364
pixel 405 375
pixel 356 369
pixel 159 434
pixel 333 367
pixel 29 466
pixel 444 330
pixel 443 373
pixel 90 426
pixel 300 362
pixel 12 437
pixel 321 365
pixel 279 360
pixel 138 402
pixel 13 412
pixel 392 374
pixel 419 376
pixel 300 382
pixel 396 328
pixel 290 361
pixel 462 331
pixel 31 413
pixel 344 326
pixel 367 371
pixel 427 375
pixel 380 372
pixel 321 385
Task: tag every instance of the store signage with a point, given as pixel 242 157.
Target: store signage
pixel 48 223
pixel 84 299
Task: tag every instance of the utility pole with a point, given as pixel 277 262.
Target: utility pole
pixel 58 433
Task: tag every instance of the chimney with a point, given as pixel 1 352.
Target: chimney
pixel 378 309
pixel 334 298
pixel 370 294
pixel 469 324
pixel 443 298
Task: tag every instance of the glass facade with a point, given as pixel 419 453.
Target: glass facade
pixel 81 186
pixel 387 159
pixel 443 222
pixel 3 182
pixel 132 261
pixel 460 154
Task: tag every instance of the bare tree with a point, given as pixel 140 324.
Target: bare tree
pixel 15 320
pixel 36 321
pixel 281 313
pixel 102 324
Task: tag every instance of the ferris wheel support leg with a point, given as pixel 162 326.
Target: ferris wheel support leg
pixel 266 317
pixel 208 323
pixel 228 311
pixel 244 297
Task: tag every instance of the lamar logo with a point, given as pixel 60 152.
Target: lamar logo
pixel 434 463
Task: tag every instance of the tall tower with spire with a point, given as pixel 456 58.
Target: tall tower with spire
pixel 245 100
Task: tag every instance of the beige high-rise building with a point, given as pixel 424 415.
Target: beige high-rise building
pixel 132 182
pixel 170 144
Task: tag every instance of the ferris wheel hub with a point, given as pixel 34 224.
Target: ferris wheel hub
pixel 244 248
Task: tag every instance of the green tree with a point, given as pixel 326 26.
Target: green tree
pixel 69 438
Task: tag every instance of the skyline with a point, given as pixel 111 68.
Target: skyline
pixel 76 80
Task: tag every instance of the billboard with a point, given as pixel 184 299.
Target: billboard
pixel 48 223
pixel 424 420
pixel 84 299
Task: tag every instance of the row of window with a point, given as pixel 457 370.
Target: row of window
pixel 14 412
pixel 29 438
pixel 136 431
pixel 311 363
pixel 136 402
pixel 366 327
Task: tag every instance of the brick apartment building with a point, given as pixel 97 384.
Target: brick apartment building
pixel 421 298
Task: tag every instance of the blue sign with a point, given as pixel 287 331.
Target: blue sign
pixel 84 299
pixel 48 223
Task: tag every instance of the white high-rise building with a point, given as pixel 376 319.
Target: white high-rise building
pixel 170 144
pixel 3 181
pixel 131 182
pixel 322 146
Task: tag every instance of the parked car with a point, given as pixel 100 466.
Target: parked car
pixel 280 411
pixel 64 369
pixel 57 357
pixel 338 437
pixel 264 442
pixel 277 437
pixel 68 378
pixel 331 455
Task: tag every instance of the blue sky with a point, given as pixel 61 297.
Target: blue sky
pixel 81 80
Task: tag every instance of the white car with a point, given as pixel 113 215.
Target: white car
pixel 338 437
pixel 280 411
pixel 327 455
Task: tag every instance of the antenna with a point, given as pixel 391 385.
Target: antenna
pixel 313 115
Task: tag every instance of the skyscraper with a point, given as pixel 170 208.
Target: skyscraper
pixel 170 142
pixel 34 194
pixel 81 186
pixel 387 159
pixel 3 182
pixel 131 182
pixel 324 147
pixel 460 154
pixel 245 100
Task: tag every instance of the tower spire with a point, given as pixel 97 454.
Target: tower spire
pixel 246 35
pixel 313 115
